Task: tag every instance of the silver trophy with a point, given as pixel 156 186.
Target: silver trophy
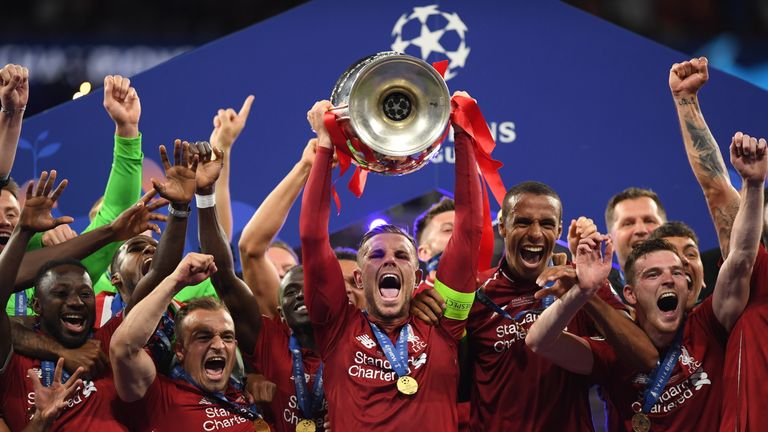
pixel 394 110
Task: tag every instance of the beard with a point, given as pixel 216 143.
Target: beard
pixel 375 310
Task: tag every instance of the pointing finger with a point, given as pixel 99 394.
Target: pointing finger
pixel 246 108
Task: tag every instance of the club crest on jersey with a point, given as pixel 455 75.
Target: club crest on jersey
pixel 687 360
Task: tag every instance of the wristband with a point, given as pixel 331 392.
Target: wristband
pixel 457 304
pixel 8 112
pixel 178 213
pixel 205 201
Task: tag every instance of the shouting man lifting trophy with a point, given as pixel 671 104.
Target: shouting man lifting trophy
pixel 382 367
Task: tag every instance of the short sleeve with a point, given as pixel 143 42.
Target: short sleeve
pixel 604 359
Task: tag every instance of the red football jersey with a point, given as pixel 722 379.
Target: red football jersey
pixel 746 359
pixel 514 388
pixel 103 308
pixel 360 383
pixel 95 406
pixel 175 405
pixel 691 398
pixel 273 359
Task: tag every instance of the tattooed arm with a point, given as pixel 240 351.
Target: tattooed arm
pixel 685 80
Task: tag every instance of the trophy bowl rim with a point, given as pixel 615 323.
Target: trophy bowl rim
pixel 393 56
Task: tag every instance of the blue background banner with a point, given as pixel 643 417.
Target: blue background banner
pixel 574 101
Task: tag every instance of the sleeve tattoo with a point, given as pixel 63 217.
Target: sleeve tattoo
pixel 709 158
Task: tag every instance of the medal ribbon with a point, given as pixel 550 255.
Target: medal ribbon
pixel 545 303
pixel 47 368
pixel 487 302
pixel 160 343
pixel 249 412
pixel 309 404
pixel 21 303
pixel 433 262
pixel 397 356
pixel 661 374
pixel 117 304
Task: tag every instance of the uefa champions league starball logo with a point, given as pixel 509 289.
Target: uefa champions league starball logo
pixel 432 35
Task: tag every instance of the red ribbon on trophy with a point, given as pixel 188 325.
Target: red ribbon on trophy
pixel 466 114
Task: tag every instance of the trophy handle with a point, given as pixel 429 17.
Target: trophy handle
pixel 343 113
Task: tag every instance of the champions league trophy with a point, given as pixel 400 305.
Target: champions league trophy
pixel 393 111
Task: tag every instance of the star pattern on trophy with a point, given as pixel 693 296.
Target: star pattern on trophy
pixel 433 35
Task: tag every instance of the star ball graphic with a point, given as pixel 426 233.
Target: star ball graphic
pixel 432 35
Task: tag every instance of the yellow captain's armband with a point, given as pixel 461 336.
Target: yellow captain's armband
pixel 457 304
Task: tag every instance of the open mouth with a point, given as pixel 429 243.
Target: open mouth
pixel 689 280
pixel 214 367
pixel 74 323
pixel 145 265
pixel 4 237
pixel 389 286
pixel 300 307
pixel 532 255
pixel 667 302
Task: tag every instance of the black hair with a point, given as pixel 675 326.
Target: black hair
pixel 50 265
pixel 444 205
pixel 345 253
pixel 642 249
pixel 674 229
pixel 527 187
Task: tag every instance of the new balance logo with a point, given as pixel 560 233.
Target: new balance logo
pixel 366 341
pixel 420 361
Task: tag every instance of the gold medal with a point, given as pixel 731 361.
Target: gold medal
pixel 259 425
pixel 407 385
pixel 641 423
pixel 305 425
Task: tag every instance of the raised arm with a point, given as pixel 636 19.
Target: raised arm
pixel 90 357
pixel 685 81
pixel 457 271
pixel 78 247
pixel 121 101
pixel 227 125
pixel 34 217
pixel 133 368
pixel 731 294
pixel 629 341
pixel 632 345
pixel 178 188
pixel 239 299
pixel 14 94
pixel 323 279
pixel 546 336
pixel 258 272
pixel 131 222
